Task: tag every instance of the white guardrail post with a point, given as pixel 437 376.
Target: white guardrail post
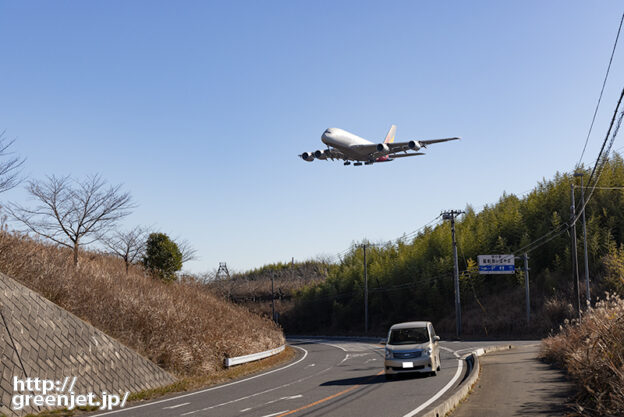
pixel 252 357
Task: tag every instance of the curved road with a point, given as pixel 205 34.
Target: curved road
pixel 337 377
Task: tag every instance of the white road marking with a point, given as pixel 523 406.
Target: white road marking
pixel 332 345
pixel 454 352
pixel 257 393
pixel 370 360
pixel 245 409
pixel 292 397
pixel 305 354
pixel 175 406
pixel 276 414
pixel 312 364
pixel 439 393
pixel 283 398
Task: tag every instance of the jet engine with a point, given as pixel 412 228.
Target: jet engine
pixel 307 156
pixel 322 155
pixel 414 144
pixel 382 147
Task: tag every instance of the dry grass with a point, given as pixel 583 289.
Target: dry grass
pixel 592 352
pixel 180 326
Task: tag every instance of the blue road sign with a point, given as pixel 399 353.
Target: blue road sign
pixel 497 269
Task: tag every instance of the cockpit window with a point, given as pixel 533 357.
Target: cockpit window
pixel 411 336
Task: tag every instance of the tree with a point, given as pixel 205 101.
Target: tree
pixel 9 168
pixel 189 253
pixel 129 245
pixel 69 212
pixel 162 256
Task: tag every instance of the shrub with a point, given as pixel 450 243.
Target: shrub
pixel 592 351
pixel 162 256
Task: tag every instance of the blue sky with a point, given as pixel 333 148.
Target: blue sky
pixel 201 108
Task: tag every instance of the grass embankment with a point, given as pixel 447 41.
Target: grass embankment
pixel 179 326
pixel 592 351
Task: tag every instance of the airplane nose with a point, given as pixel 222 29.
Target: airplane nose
pixel 327 136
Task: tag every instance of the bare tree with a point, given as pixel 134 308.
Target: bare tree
pixel 9 168
pixel 69 212
pixel 189 253
pixel 128 245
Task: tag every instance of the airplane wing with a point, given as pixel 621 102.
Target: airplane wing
pixel 432 141
pixel 391 149
pixel 413 144
pixel 403 155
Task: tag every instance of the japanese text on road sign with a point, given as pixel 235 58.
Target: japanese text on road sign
pixel 496 264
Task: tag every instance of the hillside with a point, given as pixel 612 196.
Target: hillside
pixel 415 279
pixel 179 326
pixel 252 289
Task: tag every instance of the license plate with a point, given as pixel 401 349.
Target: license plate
pixel 408 364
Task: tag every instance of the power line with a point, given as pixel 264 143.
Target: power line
pixel 604 143
pixel 565 226
pixel 601 90
pixel 606 154
pixel 603 188
pixel 558 230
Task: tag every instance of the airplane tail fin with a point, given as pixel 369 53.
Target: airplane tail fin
pixel 390 135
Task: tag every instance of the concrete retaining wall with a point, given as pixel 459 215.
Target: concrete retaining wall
pixel 39 339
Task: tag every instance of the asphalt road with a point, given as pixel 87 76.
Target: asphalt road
pixel 328 378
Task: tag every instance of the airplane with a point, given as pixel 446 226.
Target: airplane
pixel 349 147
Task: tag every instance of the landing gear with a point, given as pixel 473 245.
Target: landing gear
pixel 347 163
pixel 368 163
pixel 357 164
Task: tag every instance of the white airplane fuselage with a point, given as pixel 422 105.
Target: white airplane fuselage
pixel 343 141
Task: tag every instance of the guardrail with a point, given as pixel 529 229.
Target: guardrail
pixel 252 357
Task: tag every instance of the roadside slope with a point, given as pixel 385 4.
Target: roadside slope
pixel 38 339
pixel 179 326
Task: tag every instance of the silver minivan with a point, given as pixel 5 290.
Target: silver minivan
pixel 412 347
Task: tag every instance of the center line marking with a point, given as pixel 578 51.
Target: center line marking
pixel 175 406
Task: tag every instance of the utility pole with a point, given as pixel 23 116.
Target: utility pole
pixel 450 215
pixel 585 258
pixel 365 292
pixel 526 285
pixel 575 274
